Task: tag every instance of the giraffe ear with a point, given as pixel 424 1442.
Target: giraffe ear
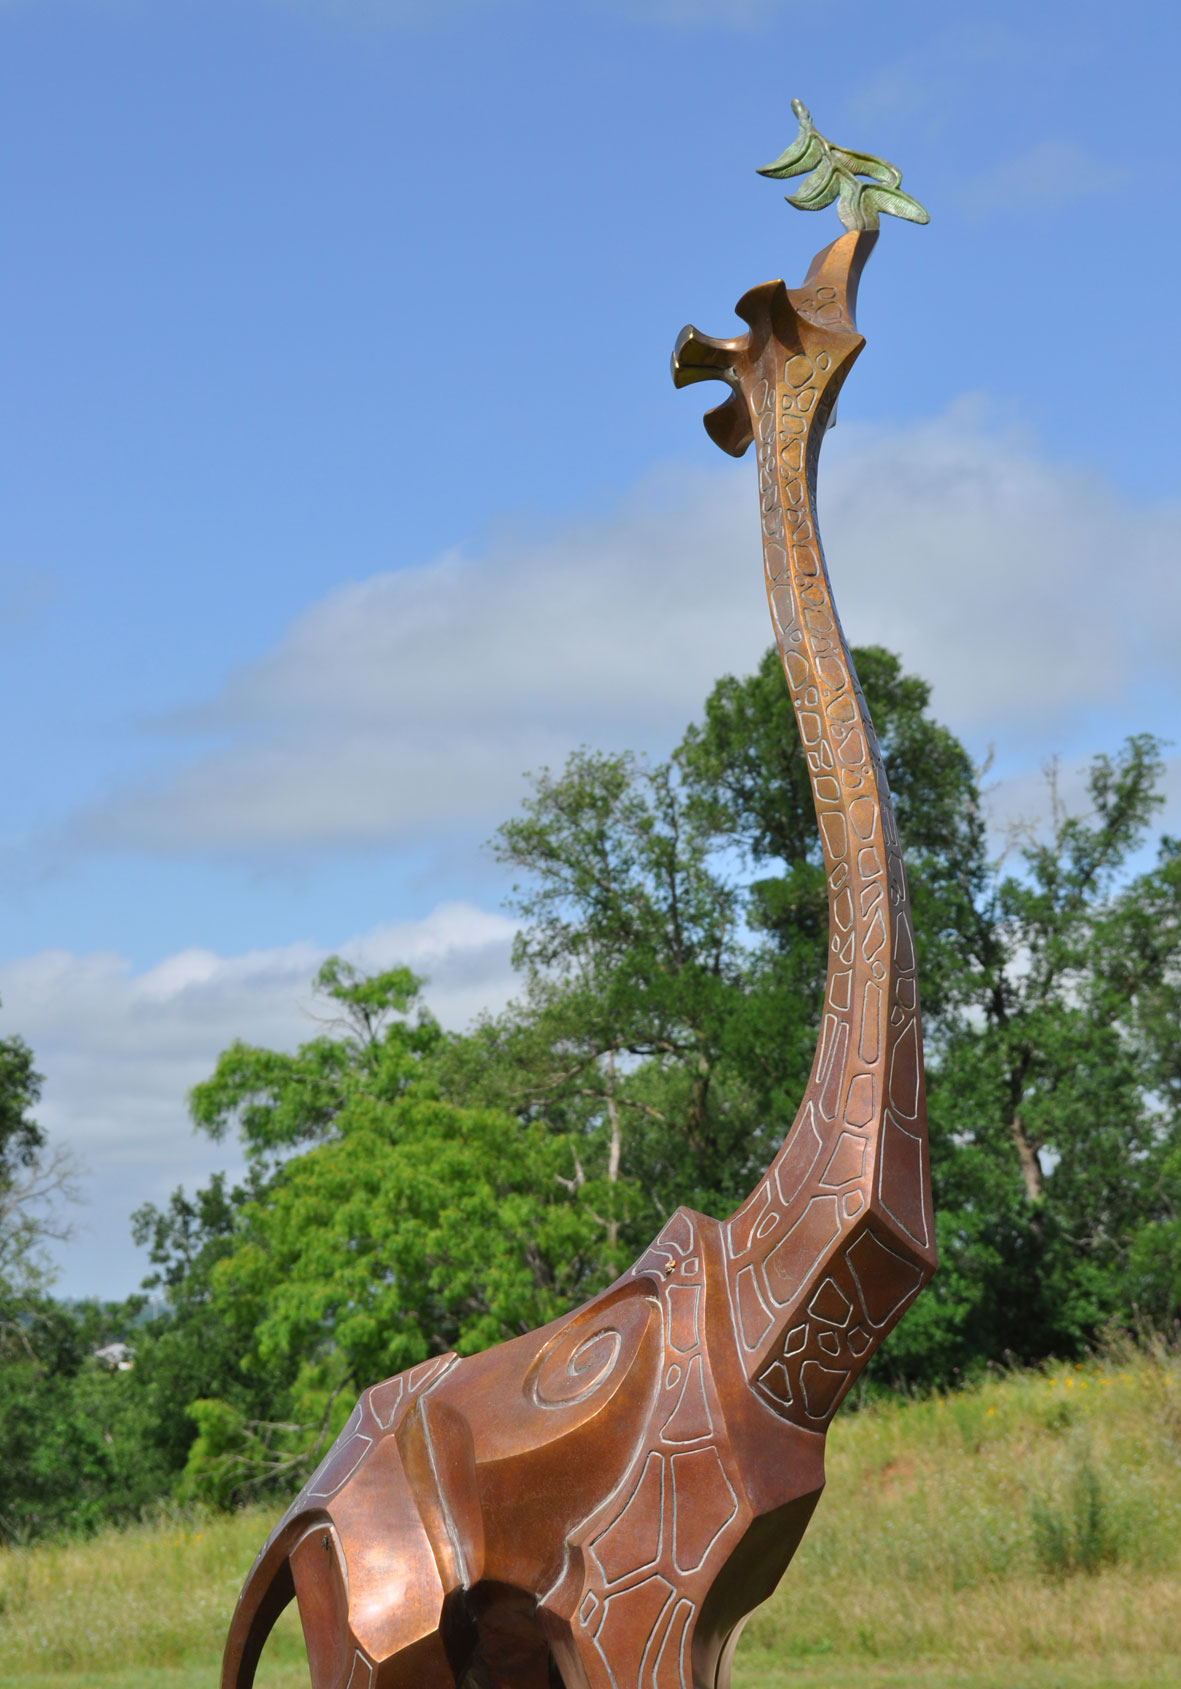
pixel 698 357
pixel 729 424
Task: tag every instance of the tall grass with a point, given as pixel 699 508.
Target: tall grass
pixel 1025 1532
pixel 1036 1518
pixel 130 1606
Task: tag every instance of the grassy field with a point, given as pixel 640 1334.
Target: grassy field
pixel 1022 1535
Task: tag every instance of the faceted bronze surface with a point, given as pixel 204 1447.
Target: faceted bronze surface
pixel 601 1503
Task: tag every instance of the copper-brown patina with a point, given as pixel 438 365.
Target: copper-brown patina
pixel 601 1503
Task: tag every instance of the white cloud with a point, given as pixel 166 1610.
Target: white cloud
pixel 408 705
pixel 1049 173
pixel 1026 590
pixel 120 1051
pixel 413 701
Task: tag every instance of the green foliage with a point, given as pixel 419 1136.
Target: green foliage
pixel 418 1228
pixel 633 967
pixel 279 1101
pixel 188 1350
pixel 674 946
pixel 21 1139
pixel 231 1418
pixel 1153 1270
pixel 673 949
pixel 422 1227
pixel 1054 1129
pixel 33 1180
pixel 70 1432
pixel 74 1435
pixel 232 1457
pixel 396 1225
pixel 748 772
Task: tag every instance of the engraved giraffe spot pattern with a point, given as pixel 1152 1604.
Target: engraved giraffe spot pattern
pixel 868 1050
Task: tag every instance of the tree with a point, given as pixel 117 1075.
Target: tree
pixel 1055 1125
pixel 188 1350
pixel 632 960
pixel 423 1227
pixel 674 947
pixel 674 941
pixel 747 770
pixel 75 1444
pixel 36 1179
pixel 21 1139
pixel 379 1225
pixel 70 1436
pixel 278 1101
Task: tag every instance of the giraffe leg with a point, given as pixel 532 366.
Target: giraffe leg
pixel 268 1590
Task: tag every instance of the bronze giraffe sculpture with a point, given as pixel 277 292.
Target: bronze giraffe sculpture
pixel 599 1504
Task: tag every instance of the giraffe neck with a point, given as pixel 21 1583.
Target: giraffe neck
pixel 856 1150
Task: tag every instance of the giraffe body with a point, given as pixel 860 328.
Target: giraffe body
pixel 599 1504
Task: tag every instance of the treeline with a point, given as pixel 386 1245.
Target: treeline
pixel 412 1191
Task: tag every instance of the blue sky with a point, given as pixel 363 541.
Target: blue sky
pixel 345 480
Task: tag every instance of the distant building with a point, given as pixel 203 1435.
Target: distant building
pixel 120 1357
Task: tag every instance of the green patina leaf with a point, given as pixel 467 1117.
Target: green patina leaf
pixel 896 203
pixel 818 190
pixel 834 176
pixel 864 164
pixel 805 152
